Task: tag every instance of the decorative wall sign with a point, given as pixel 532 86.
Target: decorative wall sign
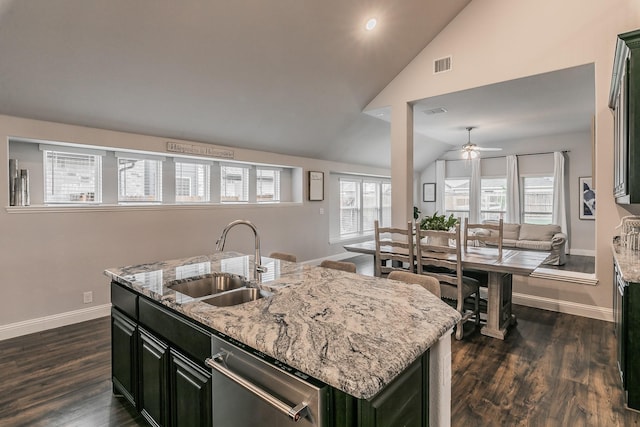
pixel 199 150
pixel 429 192
pixel 316 186
pixel 587 199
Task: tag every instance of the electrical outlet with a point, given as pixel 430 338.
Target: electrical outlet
pixel 88 297
pixel 321 211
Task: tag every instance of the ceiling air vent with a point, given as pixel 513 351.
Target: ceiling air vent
pixel 441 65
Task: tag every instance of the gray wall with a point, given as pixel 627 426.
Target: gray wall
pixel 50 256
pixel 578 164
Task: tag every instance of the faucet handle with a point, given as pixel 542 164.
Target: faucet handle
pixel 261 268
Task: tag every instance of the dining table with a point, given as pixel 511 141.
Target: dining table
pixel 500 274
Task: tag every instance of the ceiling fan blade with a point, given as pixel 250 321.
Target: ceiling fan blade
pixel 487 149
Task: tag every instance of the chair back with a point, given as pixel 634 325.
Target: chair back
pixel 438 255
pixel 481 234
pixel 393 244
pixel 429 283
pixel 349 267
pixel 283 256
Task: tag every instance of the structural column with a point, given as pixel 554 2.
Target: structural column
pixel 401 164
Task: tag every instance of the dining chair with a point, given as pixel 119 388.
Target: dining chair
pixel 283 256
pixel 396 246
pixel 339 265
pixel 439 255
pixel 491 232
pixel 429 283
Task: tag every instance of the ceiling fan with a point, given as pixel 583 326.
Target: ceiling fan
pixel 470 150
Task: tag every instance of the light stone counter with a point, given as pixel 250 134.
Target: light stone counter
pixel 628 263
pixel 353 332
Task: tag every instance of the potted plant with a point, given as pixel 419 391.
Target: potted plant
pixel 441 223
pixel 438 222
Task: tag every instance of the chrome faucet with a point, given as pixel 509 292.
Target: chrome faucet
pixel 257 258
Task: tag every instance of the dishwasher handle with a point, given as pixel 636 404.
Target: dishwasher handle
pixel 294 412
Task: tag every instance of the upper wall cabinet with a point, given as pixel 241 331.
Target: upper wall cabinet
pixel 624 97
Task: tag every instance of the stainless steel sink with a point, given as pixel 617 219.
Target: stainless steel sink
pixel 209 285
pixel 238 296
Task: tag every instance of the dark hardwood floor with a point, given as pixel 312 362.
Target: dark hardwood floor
pixel 552 370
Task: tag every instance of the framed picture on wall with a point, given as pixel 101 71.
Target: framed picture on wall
pixel 316 186
pixel 587 198
pixel 429 192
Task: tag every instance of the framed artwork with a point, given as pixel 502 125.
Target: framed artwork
pixel 429 192
pixel 316 186
pixel 587 199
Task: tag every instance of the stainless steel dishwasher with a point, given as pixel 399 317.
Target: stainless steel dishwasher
pixel 252 389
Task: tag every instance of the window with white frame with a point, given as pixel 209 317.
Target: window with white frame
pixel 234 183
pixel 362 201
pixel 493 199
pixel 538 199
pixel 456 197
pixel 192 182
pixel 72 177
pixel 139 180
pixel 267 185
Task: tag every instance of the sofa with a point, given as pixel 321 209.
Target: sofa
pixel 537 237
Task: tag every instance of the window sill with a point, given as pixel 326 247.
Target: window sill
pixel 139 207
pixel 356 238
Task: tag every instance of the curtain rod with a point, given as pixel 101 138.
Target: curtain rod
pixel 517 155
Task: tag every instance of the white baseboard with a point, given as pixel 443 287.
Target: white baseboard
pixel 584 310
pixel 336 257
pixel 583 252
pixel 40 324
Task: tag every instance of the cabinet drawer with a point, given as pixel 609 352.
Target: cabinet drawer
pixel 124 300
pixel 191 339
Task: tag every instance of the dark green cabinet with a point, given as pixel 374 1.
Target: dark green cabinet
pixel 124 362
pixel 190 393
pixel 625 104
pixel 158 365
pixel 158 362
pixel 626 306
pixel 154 368
pixel 404 402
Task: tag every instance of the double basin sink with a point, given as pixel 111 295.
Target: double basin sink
pixel 220 289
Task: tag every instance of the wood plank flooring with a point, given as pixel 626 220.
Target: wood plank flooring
pixel 552 370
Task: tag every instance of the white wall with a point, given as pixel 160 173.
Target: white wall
pixel 492 41
pixel 578 164
pixel 49 257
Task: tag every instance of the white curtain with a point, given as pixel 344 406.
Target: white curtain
pixel 440 177
pixel 513 191
pixel 474 191
pixel 559 194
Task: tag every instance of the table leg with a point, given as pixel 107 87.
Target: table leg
pixel 499 315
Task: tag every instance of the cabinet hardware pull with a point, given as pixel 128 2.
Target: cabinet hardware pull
pixel 294 412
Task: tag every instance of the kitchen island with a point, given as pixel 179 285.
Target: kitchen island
pixel 356 334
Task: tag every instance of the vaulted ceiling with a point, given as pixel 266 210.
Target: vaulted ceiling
pixel 287 76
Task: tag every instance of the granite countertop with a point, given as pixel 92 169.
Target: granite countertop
pixel 628 263
pixel 353 332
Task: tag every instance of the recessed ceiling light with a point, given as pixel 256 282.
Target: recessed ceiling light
pixel 371 24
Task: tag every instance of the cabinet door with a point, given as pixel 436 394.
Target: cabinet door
pixel 190 393
pixel 153 379
pixel 124 362
pixel 404 402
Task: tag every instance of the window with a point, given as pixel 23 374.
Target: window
pixel 349 206
pixel 267 185
pixel 72 177
pixel 362 201
pixel 538 200
pixel 139 180
pixel 456 197
pixel 192 182
pixel 234 183
pixel 493 199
